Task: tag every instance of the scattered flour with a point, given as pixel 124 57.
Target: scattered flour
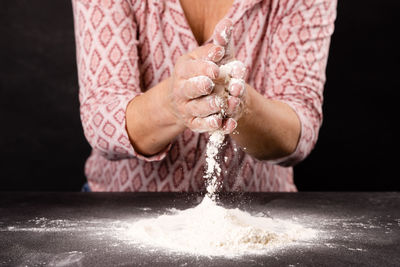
pixel 212 230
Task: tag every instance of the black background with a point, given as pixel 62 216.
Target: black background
pixel 42 146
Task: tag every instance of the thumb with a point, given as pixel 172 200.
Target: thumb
pixel 222 32
pixel 222 37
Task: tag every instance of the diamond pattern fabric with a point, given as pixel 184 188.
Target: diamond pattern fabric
pixel 123 48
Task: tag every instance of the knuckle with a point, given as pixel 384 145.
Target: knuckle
pixel 187 108
pixel 180 61
pixel 207 47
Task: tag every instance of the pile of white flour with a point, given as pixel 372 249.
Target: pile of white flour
pixel 211 230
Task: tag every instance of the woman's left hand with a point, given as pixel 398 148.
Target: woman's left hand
pixel 232 75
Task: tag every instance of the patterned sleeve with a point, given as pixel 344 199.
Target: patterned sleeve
pixel 107 60
pixel 297 62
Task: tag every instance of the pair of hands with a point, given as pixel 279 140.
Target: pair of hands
pixel 207 89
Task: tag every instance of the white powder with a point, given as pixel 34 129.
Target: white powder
pixel 212 230
pixel 224 34
pixel 213 169
pixel 221 103
pixel 226 70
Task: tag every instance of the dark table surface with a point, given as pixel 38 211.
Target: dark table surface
pixel 87 229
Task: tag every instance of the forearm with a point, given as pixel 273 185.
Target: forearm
pixel 268 129
pixel 149 124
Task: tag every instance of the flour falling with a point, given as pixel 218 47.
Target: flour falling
pixel 216 139
pixel 213 169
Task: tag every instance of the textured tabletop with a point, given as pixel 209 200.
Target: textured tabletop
pixel 87 229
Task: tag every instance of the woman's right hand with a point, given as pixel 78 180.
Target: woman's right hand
pixel 190 95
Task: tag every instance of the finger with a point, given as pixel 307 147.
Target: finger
pixel 212 52
pixel 223 36
pixel 229 126
pixel 229 53
pixel 192 68
pixel 222 32
pixel 197 86
pixel 203 106
pixel 207 124
pixel 233 104
pixel 233 69
pixel 236 87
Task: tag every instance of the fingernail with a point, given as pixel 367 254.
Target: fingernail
pixel 228 124
pixel 208 85
pixel 216 53
pixel 237 83
pixel 235 124
pixel 212 71
pixel 213 122
pixel 213 103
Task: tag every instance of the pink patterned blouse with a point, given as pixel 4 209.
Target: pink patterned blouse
pixel 125 47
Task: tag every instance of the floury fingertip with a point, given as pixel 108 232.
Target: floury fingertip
pixel 216 53
pixel 238 83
